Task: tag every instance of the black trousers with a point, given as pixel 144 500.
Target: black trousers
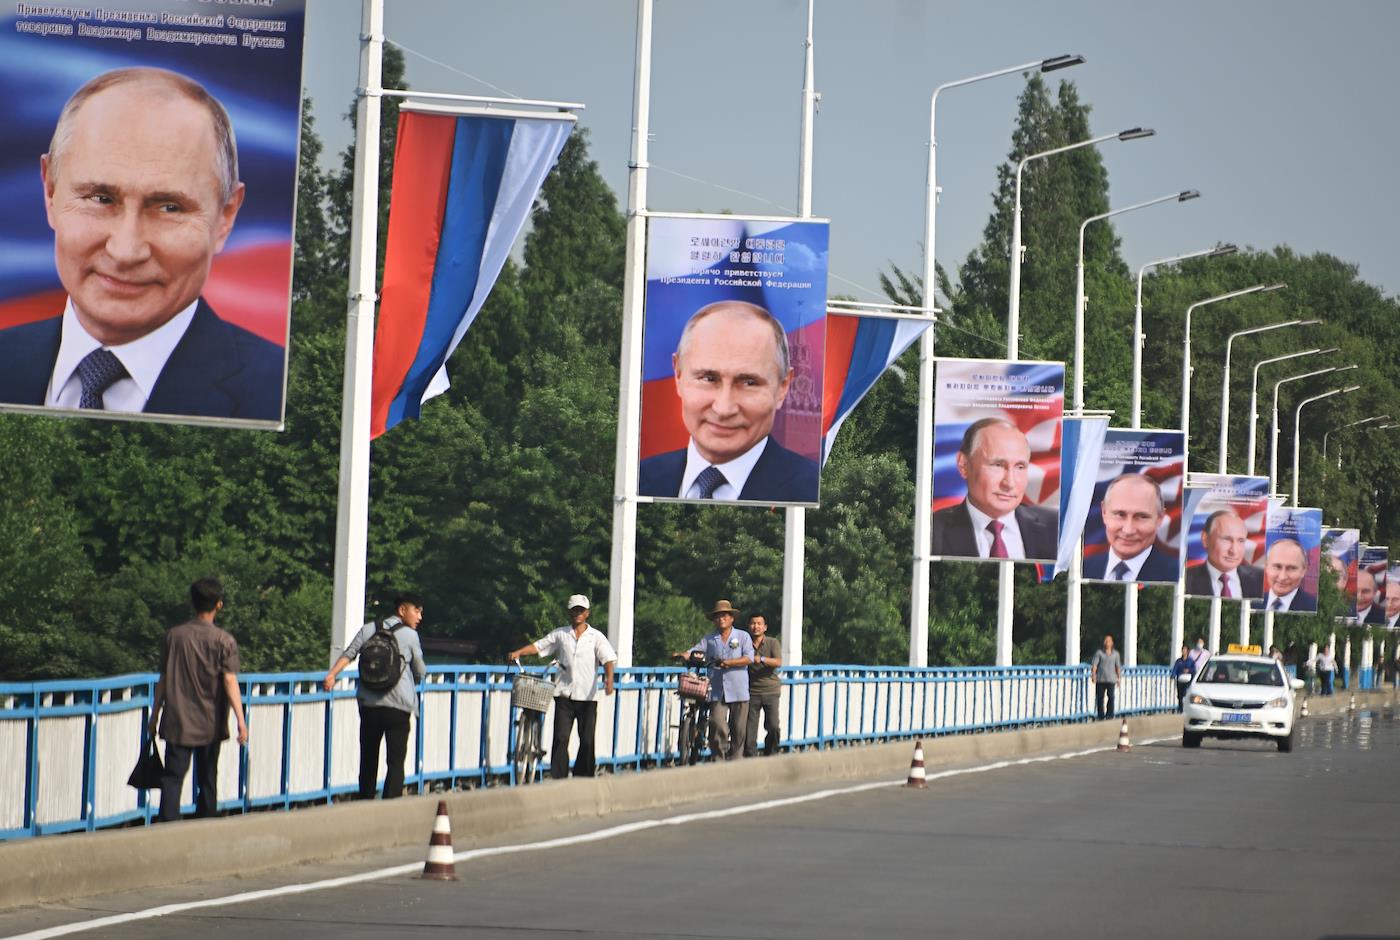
pixel 566 712
pixel 206 779
pixel 1102 691
pixel 767 702
pixel 391 725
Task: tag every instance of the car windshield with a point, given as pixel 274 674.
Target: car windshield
pixel 1241 673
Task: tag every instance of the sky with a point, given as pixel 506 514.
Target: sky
pixel 1279 111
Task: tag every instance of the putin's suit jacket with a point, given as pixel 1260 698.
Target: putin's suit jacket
pixel 953 536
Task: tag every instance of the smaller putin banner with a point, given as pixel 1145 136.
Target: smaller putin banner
pixel 1225 540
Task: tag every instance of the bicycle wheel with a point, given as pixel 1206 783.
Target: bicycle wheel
pixel 684 735
pixel 533 751
pixel 521 758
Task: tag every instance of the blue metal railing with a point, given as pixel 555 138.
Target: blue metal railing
pixel 66 747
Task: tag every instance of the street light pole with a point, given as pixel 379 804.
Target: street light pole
pixel 1075 577
pixel 1297 437
pixel 1006 586
pixel 1273 433
pixel 1179 598
pixel 1225 426
pixel 1130 591
pixel 1325 434
pixel 923 473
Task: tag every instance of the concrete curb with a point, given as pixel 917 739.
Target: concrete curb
pixel 62 867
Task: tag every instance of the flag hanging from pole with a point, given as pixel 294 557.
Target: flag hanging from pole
pixel 463 186
pixel 858 351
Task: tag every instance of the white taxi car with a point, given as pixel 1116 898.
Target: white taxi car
pixel 1240 695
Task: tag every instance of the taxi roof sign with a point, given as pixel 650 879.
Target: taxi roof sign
pixel 1240 648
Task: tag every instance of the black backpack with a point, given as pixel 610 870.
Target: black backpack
pixel 381 660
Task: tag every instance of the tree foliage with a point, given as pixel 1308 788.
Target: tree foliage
pixel 498 503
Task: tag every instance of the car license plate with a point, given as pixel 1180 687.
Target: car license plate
pixel 1236 716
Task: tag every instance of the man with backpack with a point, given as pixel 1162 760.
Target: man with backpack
pixel 391 666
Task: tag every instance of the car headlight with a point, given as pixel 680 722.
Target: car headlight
pixel 1279 702
pixel 1199 700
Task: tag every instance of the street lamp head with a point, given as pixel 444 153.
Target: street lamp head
pixel 1188 195
pixel 1329 349
pixel 1226 249
pixel 1061 62
pixel 1136 133
pixel 1307 323
pixel 1279 286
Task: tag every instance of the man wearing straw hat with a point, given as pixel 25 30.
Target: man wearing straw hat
pixel 579 650
pixel 729 653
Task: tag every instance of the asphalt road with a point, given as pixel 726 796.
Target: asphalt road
pixel 1230 841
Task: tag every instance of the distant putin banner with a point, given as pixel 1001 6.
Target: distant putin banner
pixel 1341 552
pixel 996 459
pixel 1133 531
pixel 1371 579
pixel 1225 542
pixel 732 363
pixel 1292 560
pixel 150 170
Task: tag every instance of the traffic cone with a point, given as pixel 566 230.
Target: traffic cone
pixel 917 780
pixel 1123 743
pixel 440 866
pixel 1303 713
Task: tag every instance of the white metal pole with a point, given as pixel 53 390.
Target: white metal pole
pixel 622 587
pixel 1298 438
pixel 1254 399
pixel 352 503
pixel 1273 417
pixel 923 461
pixel 795 532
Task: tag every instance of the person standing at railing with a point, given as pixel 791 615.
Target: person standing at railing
pixel 729 653
pixel 580 650
pixel 765 689
pixel 1182 667
pixel 1107 668
pixel 198 682
pixel 385 714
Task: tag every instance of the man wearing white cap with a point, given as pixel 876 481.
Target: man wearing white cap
pixel 579 650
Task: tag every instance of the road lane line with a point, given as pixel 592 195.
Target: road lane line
pixel 599 835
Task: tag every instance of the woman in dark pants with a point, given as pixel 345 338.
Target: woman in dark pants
pixel 1182 667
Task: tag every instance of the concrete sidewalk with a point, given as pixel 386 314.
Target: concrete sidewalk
pixel 61 867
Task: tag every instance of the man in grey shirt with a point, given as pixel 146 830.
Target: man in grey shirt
pixel 386 714
pixel 1107 668
pixel 765 689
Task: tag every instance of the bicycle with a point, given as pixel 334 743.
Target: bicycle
pixel 530 697
pixel 693 689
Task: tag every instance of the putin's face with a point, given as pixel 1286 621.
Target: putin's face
pixel 1339 572
pixel 996 470
pixel 1365 589
pixel 1392 599
pixel 1131 515
pixel 1225 542
pixel 728 379
pixel 135 204
pixel 1284 566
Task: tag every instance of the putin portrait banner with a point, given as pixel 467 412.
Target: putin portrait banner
pixel 996 459
pixel 1292 560
pixel 1225 539
pixel 149 180
pixel 1371 574
pixel 732 359
pixel 1341 553
pixel 1133 530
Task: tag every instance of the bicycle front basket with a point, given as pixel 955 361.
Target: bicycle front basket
pixel 692 686
pixel 531 692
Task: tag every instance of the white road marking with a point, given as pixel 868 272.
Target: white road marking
pixel 599 835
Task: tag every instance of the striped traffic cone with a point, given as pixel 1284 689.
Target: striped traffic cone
pixel 1123 743
pixel 917 780
pixel 440 866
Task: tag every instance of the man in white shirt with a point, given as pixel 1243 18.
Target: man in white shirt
pixel 993 521
pixel 1132 511
pixel 1224 574
pixel 1285 564
pixel 579 650
pixel 141 190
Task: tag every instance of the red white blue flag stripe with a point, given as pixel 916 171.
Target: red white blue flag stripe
pixel 858 351
pixel 462 190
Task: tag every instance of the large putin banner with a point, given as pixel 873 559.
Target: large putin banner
pixel 733 358
pixel 149 180
pixel 1133 530
pixel 1225 540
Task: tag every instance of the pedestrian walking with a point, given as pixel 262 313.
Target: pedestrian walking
pixel 1326 666
pixel 729 651
pixel 198 684
pixel 1107 668
pixel 1182 667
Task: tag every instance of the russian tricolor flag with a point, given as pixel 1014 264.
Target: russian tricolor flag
pixel 463 186
pixel 858 351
